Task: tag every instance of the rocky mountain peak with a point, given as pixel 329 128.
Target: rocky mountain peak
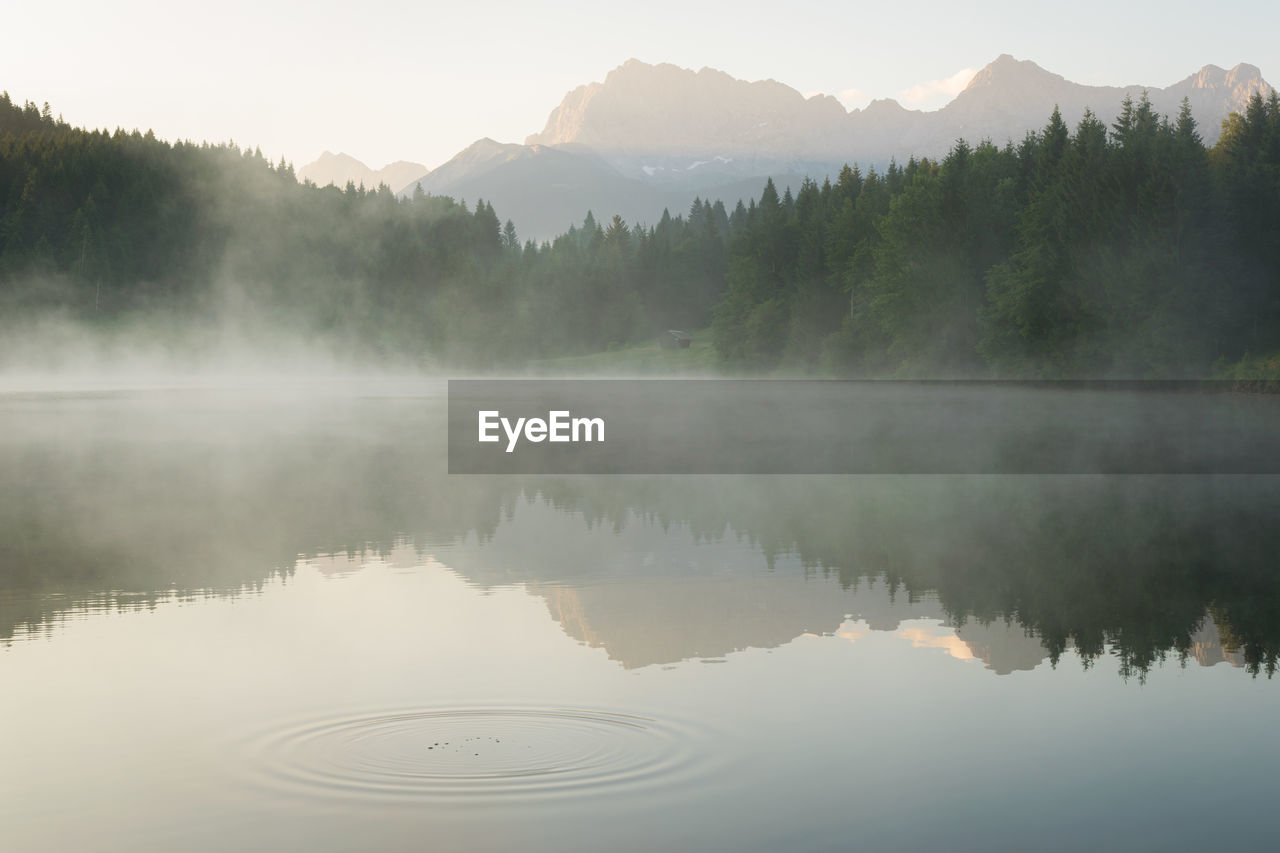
pixel 645 108
pixel 1213 77
pixel 1006 72
pixel 1243 72
pixel 883 106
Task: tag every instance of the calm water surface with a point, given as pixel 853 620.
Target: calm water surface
pixel 272 621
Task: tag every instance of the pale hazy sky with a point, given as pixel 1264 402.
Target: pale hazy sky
pixel 387 81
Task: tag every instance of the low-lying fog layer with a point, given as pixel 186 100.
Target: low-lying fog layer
pixel 54 352
pixel 270 616
pixel 146 491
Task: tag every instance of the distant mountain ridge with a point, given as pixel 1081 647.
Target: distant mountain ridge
pixel 339 169
pixel 651 137
pixel 667 112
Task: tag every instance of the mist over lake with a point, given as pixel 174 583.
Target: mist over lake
pixel 271 618
pixel 507 427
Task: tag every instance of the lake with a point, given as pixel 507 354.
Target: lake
pixel 270 619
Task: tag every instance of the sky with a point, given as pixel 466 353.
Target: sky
pixel 385 81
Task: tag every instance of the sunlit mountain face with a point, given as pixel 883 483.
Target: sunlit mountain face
pixel 653 137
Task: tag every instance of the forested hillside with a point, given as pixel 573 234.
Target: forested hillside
pixel 1129 250
pixel 1124 251
pixel 101 227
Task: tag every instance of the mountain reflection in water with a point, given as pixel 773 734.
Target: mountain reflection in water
pixel 129 504
pixel 276 622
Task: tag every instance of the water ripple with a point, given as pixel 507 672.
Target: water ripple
pixel 493 752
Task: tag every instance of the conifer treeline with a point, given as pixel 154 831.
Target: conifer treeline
pixel 105 226
pixel 1129 250
pixel 1124 251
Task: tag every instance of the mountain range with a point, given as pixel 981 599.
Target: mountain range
pixel 338 169
pixel 655 136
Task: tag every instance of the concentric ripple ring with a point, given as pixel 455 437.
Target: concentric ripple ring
pixel 474 752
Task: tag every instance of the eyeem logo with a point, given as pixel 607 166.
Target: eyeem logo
pixel 559 426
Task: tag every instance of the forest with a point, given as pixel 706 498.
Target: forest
pixel 1124 251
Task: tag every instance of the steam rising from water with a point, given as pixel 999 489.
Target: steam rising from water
pixel 57 353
